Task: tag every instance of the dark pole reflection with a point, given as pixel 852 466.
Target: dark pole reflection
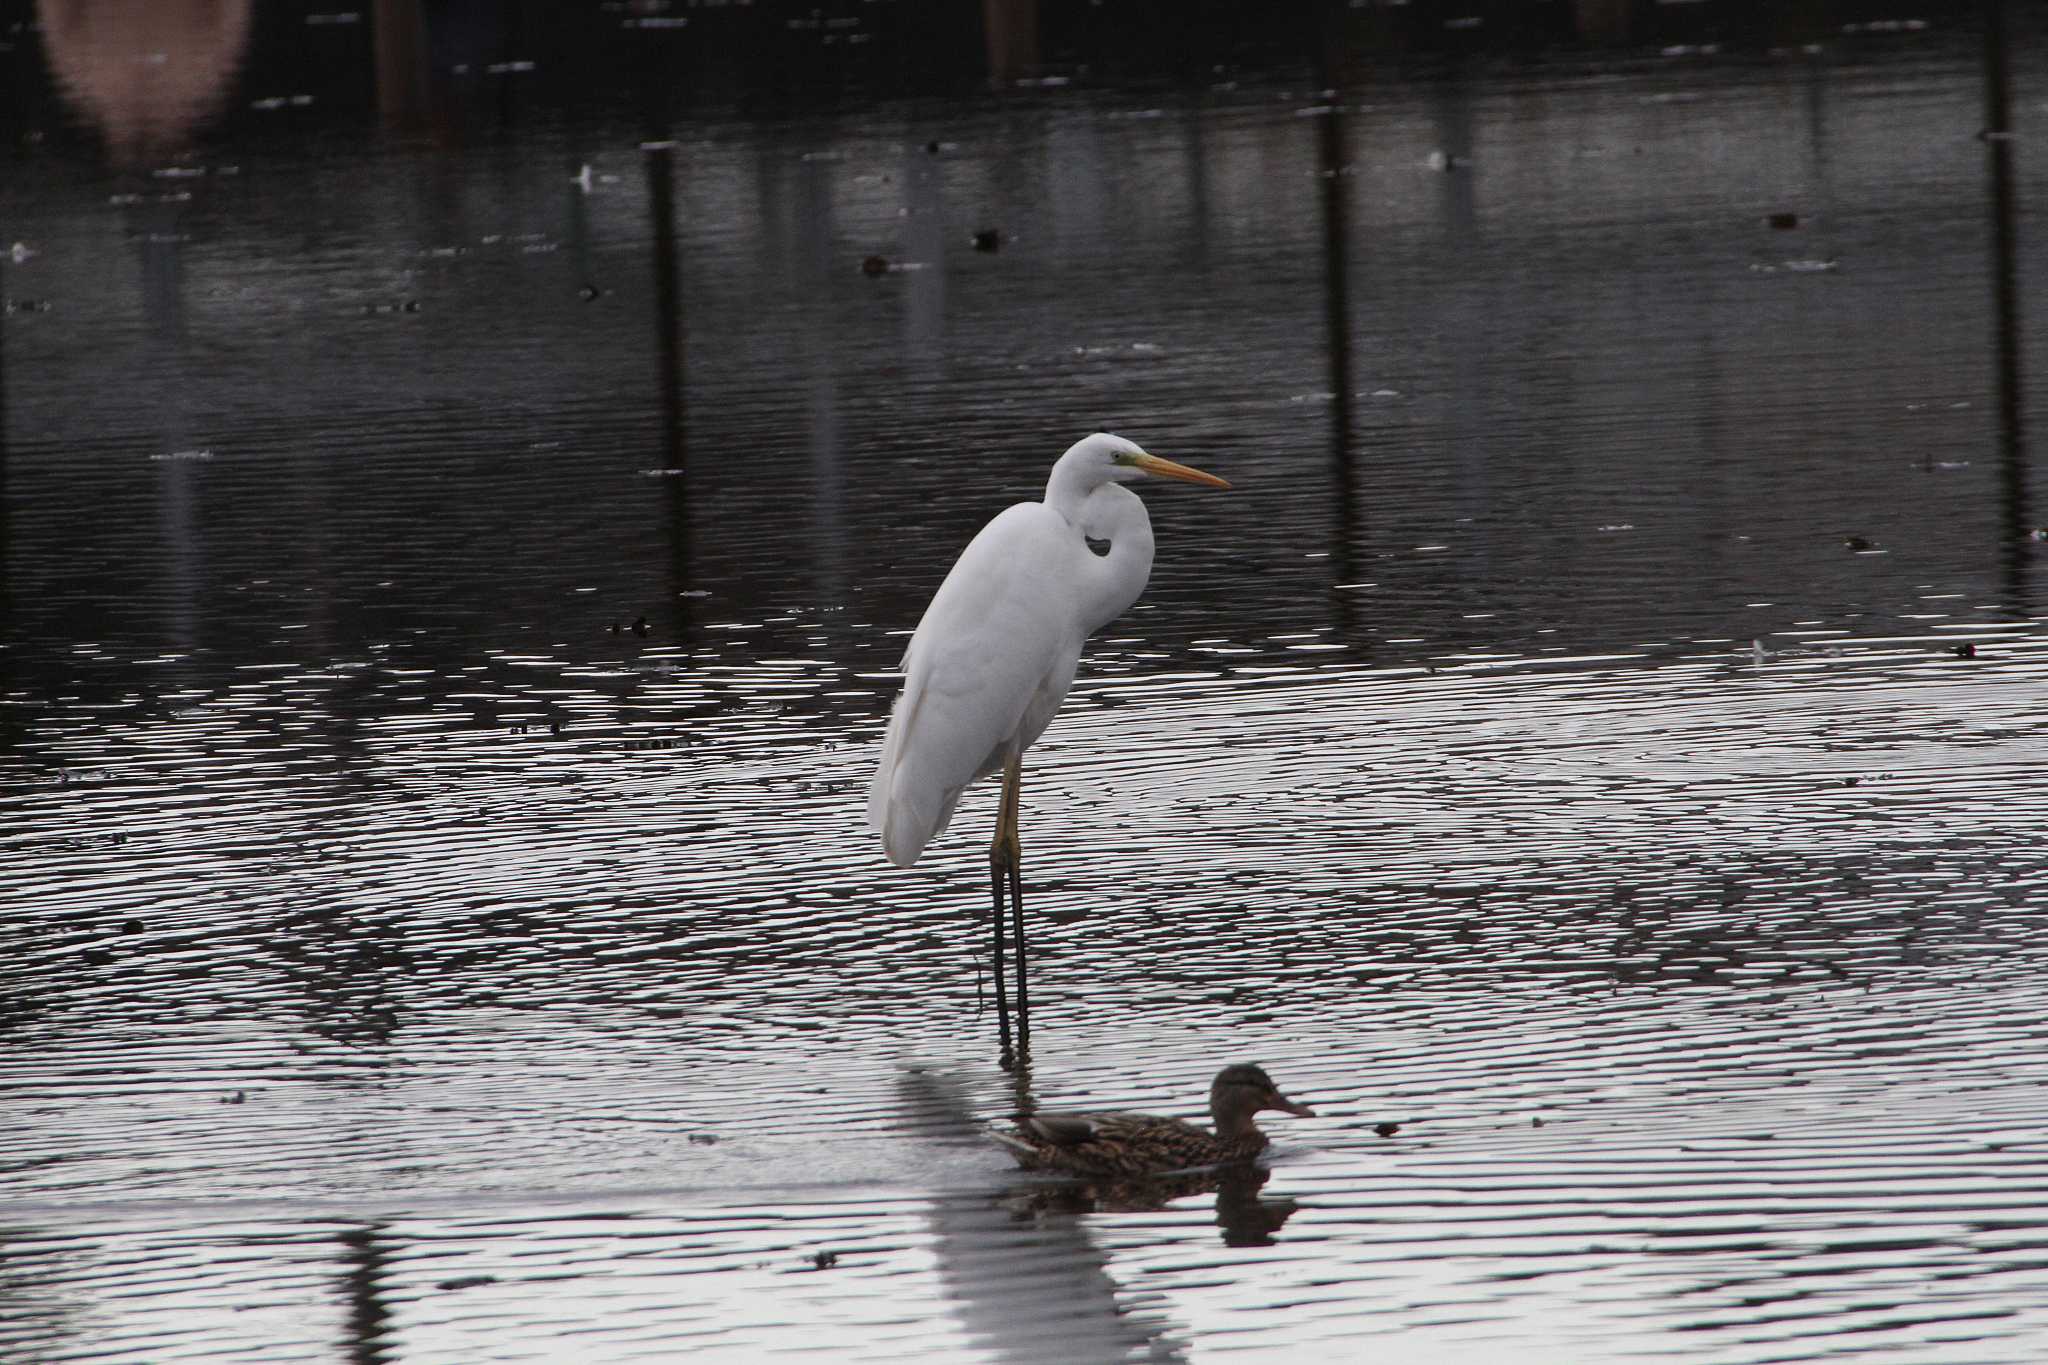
pixel 2006 309
pixel 668 300
pixel 1331 163
pixel 1604 21
pixel 7 635
pixel 404 71
pixel 1010 35
pixel 653 58
pixel 658 157
pixel 159 229
pixel 367 1262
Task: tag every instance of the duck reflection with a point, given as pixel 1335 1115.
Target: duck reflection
pixel 144 75
pixel 1246 1219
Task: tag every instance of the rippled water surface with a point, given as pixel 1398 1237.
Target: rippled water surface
pixel 458 533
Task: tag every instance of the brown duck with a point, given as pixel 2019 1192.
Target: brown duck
pixel 1137 1144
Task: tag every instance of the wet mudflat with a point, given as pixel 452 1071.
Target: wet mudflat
pixel 450 600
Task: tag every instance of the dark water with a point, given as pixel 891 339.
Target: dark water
pixel 1599 733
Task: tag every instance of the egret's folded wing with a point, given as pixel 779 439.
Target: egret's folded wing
pixel 994 641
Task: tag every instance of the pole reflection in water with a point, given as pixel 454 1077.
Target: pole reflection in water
pixel 403 65
pixel 368 1265
pixel 1334 169
pixel 2014 552
pixel 658 160
pixel 7 634
pixel 1010 34
pixel 159 233
pixel 1603 21
pixel 653 56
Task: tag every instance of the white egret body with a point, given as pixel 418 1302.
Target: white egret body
pixel 996 651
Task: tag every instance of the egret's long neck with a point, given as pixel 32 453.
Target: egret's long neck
pixel 1113 581
pixel 1073 478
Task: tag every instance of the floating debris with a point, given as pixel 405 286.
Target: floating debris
pixel 21 253
pixel 1794 267
pixel 466 1282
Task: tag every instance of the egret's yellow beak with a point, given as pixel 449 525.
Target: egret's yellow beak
pixel 1167 469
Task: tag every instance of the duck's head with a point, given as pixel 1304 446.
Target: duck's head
pixel 1244 1090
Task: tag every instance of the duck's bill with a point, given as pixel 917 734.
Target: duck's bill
pixel 1167 469
pixel 1287 1106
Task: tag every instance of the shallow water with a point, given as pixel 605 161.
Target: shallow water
pixel 1599 733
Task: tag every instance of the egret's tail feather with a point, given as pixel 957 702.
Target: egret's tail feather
pixel 907 814
pixel 904 811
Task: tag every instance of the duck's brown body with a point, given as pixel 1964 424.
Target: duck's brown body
pixel 1121 1144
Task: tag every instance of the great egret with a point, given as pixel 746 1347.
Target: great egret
pixel 995 653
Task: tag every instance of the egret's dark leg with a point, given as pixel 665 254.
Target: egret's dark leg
pixel 995 875
pixel 1013 785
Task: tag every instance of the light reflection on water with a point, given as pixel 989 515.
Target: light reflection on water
pixel 404 963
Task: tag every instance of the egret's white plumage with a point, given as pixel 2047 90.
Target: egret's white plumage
pixel 995 653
